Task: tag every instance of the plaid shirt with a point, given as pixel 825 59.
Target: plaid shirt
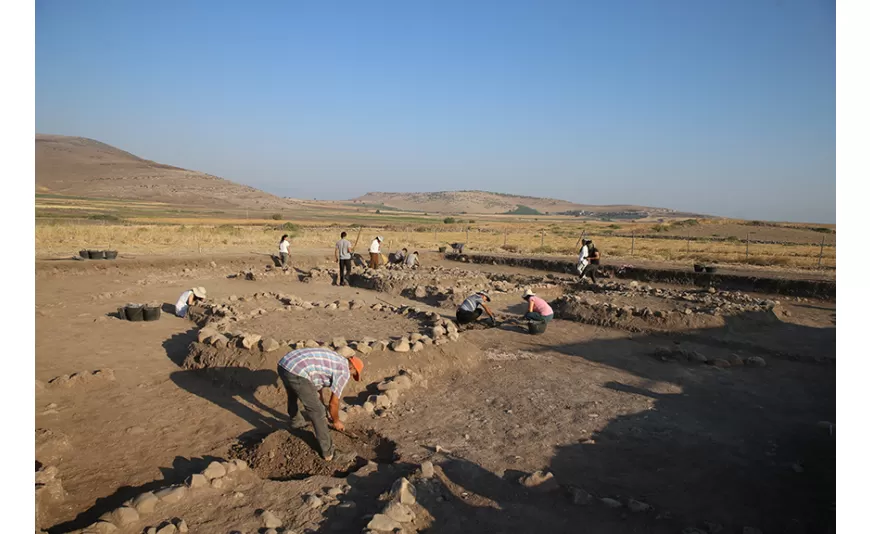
pixel 323 367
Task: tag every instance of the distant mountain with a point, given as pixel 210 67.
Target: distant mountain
pixel 484 202
pixel 78 166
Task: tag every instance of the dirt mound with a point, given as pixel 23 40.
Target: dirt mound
pixel 285 456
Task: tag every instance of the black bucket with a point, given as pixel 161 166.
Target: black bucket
pixel 537 327
pixel 710 269
pixel 151 313
pixel 134 312
pixel 699 268
pixel 84 254
pixel 95 254
pixel 110 254
pixel 442 250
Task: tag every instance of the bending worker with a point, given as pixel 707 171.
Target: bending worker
pixel 472 308
pixel 539 310
pixel 304 373
pixel 187 299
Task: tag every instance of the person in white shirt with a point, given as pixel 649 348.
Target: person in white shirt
pixel 187 299
pixel 375 252
pixel 583 260
pixel 284 251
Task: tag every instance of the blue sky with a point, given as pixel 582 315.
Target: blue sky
pixel 724 107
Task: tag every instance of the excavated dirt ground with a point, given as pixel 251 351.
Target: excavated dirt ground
pixel 705 447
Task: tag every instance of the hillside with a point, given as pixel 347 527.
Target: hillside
pixel 493 203
pixel 77 166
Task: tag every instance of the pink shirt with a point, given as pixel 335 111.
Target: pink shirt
pixel 540 305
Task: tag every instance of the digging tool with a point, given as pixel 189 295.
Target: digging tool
pixel 351 435
pixel 355 243
pixel 580 238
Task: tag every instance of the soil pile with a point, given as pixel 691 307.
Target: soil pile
pixel 285 456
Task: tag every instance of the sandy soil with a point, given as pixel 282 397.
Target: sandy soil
pixel 702 445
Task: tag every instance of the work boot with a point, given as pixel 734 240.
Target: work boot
pixel 341 457
pixel 298 423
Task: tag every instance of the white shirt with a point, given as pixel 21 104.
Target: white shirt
pixel 284 247
pixel 376 246
pixel 411 260
pixel 181 306
pixel 584 253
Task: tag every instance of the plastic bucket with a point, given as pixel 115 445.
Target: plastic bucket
pixel 699 268
pixel 134 312
pixel 95 254
pixel 110 254
pixel 537 327
pixel 151 313
pixel 84 254
pixel 442 250
pixel 710 269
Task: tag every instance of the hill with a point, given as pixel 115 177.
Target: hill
pixel 77 166
pixel 485 202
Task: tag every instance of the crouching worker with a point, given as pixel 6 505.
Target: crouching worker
pixel 187 299
pixel 472 308
pixel 539 310
pixel 304 373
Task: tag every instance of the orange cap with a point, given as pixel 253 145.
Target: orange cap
pixel 357 364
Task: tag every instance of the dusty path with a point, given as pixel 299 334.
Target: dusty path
pixel 588 403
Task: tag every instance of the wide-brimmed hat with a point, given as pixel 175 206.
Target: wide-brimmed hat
pixel 357 364
pixel 198 292
pixel 379 238
pixel 484 294
pixel 528 293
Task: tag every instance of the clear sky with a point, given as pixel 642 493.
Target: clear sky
pixel 724 107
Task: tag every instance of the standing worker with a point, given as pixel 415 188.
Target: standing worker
pixel 284 251
pixel 594 261
pixel 304 373
pixel 539 310
pixel 583 259
pixel 343 255
pixel 472 307
pixel 375 252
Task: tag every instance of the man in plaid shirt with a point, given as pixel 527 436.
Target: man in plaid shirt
pixel 304 373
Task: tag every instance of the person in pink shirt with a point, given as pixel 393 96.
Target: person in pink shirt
pixel 539 310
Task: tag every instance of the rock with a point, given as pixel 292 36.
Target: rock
pixel 634 284
pixel 241 465
pixel 755 361
pixel 218 340
pixel 611 503
pixel 334 492
pixel 270 531
pixel 269 344
pixel 362 348
pixel 339 342
pixel 369 407
pixel 181 525
pixel 172 494
pixel 229 466
pixel 418 346
pixel 399 512
pixel 145 502
pixel 453 336
pixel 438 331
pixel 720 362
pixel 752 530
pixel 168 528
pixel 420 292
pixel 197 481
pixel 346 351
pixel 415 337
pixel 100 527
pixel 735 359
pixel 713 528
pixel 427 470
pixel 696 357
pixel 270 520
pixel 403 491
pixel 151 530
pixel 311 344
pixel 637 506
pixel 249 341
pixel 124 516
pixel 217 483
pixel 313 501
pixel 214 470
pixel 382 522
pixel 580 496
pixel 400 345
pixel 393 395
pixel 540 481
pixel 205 333
pixel 382 401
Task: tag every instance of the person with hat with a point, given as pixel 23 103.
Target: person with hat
pixel 472 308
pixel 594 260
pixel 583 259
pixel 187 299
pixel 304 373
pixel 539 310
pixel 375 252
